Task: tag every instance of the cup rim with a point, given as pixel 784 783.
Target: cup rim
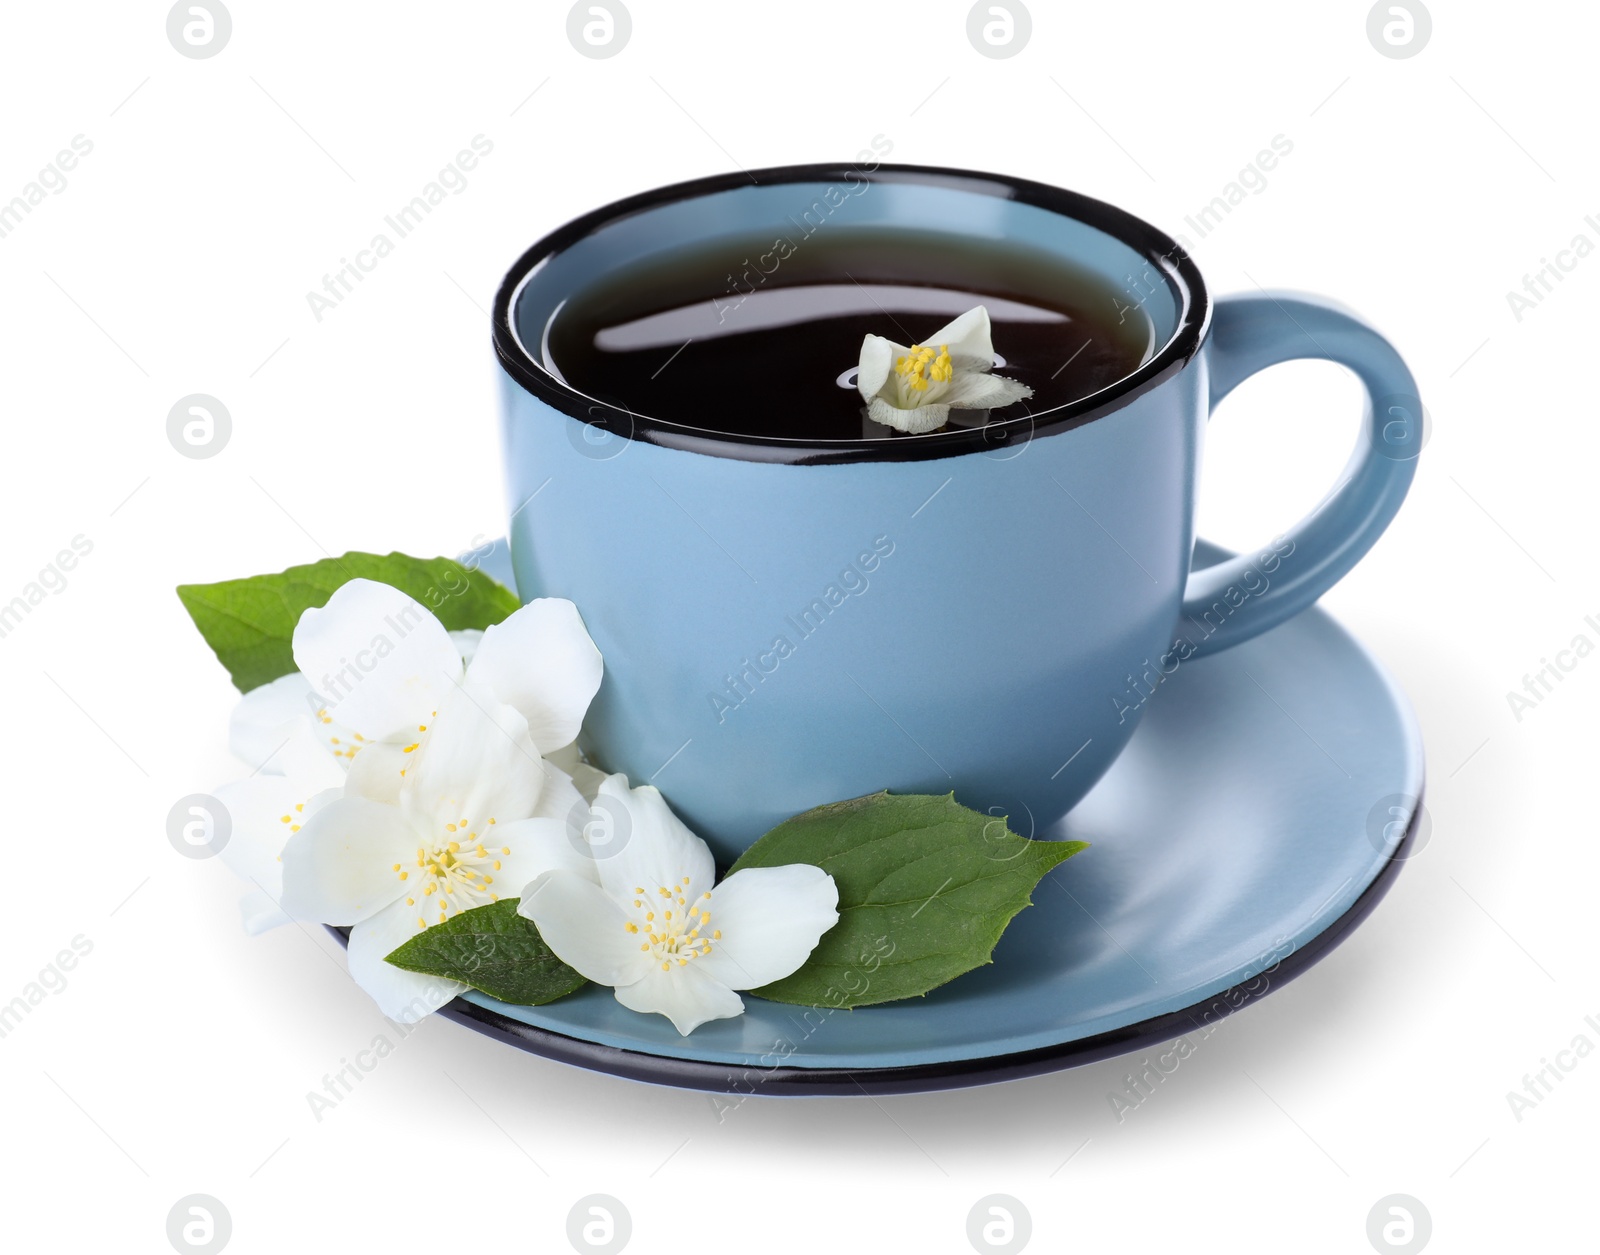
pixel 1161 251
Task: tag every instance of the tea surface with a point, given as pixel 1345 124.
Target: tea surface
pixel 763 338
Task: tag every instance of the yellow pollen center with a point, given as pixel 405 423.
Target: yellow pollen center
pixel 922 366
pixel 461 877
pixel 673 940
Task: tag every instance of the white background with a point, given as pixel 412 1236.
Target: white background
pixel 177 260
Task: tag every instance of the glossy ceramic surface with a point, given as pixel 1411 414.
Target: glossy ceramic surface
pixel 1256 816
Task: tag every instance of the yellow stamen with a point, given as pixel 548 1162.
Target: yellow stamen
pixel 921 365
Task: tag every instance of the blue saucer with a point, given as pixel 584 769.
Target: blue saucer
pixel 1259 813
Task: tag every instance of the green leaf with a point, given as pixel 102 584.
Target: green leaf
pixel 494 949
pixel 926 887
pixel 249 623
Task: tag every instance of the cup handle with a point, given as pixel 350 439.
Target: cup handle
pixel 1245 595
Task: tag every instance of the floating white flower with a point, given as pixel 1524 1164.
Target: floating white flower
pixel 659 931
pixel 913 388
pixel 385 659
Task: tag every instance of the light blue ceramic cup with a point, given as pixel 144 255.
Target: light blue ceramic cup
pixel 789 623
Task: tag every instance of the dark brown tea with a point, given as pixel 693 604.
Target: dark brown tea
pixel 763 339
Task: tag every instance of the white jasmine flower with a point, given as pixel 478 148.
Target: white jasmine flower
pixel 263 812
pixel 478 815
pixel 656 930
pixel 381 662
pixel 913 388
pixel 386 659
pixel 264 729
pixel 298 757
pixel 586 776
